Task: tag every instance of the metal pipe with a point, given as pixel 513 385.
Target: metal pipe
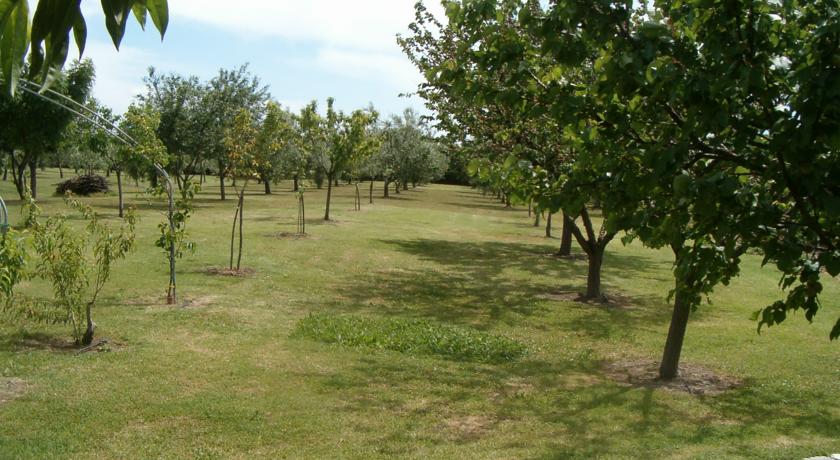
pixel 4 217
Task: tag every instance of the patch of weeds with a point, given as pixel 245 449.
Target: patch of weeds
pixel 411 337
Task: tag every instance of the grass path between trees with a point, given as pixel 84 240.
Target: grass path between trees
pixel 223 375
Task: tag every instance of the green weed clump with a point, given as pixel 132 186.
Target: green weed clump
pixel 415 337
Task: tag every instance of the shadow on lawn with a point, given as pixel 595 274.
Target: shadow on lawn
pixel 569 405
pixel 484 283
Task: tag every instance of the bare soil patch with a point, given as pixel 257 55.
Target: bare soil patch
pixel 692 379
pixel 183 301
pixel 11 388
pixel 290 236
pixel 104 345
pixel 618 301
pixel 198 302
pixel 46 342
pixel 468 426
pixel 233 273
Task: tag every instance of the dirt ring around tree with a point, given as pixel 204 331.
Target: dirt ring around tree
pixel 611 300
pixel 232 273
pixel 692 379
pixel 290 236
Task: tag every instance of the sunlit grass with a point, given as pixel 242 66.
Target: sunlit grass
pixel 221 375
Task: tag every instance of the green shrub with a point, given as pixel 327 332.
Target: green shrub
pixel 411 337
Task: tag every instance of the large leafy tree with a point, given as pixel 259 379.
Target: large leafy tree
pixel 485 76
pixel 241 142
pixel 276 140
pixel 188 127
pixel 408 152
pixel 705 127
pixel 230 92
pixel 31 126
pixel 343 137
pixel 45 33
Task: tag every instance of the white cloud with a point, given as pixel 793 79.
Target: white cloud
pixel 361 24
pixel 366 65
pixel 118 74
pixel 356 39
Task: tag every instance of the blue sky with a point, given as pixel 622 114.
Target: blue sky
pixel 301 49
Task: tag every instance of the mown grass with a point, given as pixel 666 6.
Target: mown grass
pixel 413 337
pixel 220 375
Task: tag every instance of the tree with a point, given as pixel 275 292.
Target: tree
pixel 485 73
pixel 76 263
pixel 241 143
pixel 188 124
pixel 345 137
pixel 31 125
pixel 230 92
pixel 408 153
pixel 47 37
pixel 274 138
pixel 140 123
pixel 709 129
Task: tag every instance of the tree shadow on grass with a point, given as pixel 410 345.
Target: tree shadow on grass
pixel 22 340
pixel 575 411
pixel 482 284
pixel 486 207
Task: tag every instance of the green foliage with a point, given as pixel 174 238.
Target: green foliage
pixel 47 38
pixel 76 262
pixel 707 128
pixel 180 217
pixel 13 258
pixel 30 126
pixel 410 337
pixel 408 152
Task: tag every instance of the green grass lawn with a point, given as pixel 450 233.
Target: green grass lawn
pixel 224 374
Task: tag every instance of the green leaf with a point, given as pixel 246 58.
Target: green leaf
pixel 159 11
pixel 116 18
pixel 139 10
pixel 80 32
pixel 14 40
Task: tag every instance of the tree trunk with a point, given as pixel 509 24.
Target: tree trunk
pixel 329 196
pixel 335 180
pixel 566 239
pixel 296 185
pixel 593 277
pixel 530 203
pixel 33 179
pixel 669 368
pixel 537 213
pixel 241 223
pixel 60 172
pixel 267 184
pixel 18 171
pixel 222 185
pixel 397 187
pixel 172 294
pixel 119 193
pixel 405 186
pixel 233 236
pixel 371 191
pixel 87 338
pixel 386 189
pixel 548 226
